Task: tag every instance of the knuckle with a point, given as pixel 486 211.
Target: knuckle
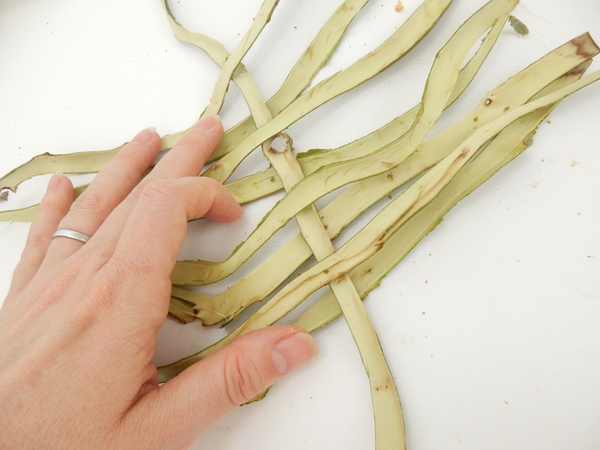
pixel 160 197
pixel 242 378
pixel 89 202
pixel 51 203
pixel 193 138
pixel 37 241
pixel 57 286
pixel 128 163
pixel 161 191
pixel 103 292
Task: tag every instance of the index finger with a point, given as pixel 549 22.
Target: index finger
pixel 186 158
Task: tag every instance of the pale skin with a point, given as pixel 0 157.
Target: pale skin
pixel 78 327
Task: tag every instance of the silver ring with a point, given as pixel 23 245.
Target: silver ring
pixel 71 234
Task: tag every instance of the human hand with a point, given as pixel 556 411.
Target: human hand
pixel 78 327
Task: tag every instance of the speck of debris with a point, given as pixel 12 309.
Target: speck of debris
pixel 505 402
pixel 518 26
pixel 574 163
pixel 399 7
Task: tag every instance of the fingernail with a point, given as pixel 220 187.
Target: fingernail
pixel 54 181
pixel 293 351
pixel 144 135
pixel 208 122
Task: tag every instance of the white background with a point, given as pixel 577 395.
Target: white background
pixel 490 325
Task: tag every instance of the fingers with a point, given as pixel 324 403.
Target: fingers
pixel 110 187
pixel 188 156
pixel 185 159
pixel 54 206
pixel 117 181
pixel 183 408
pixel 152 238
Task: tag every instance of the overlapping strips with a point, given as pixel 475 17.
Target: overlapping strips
pixel 442 170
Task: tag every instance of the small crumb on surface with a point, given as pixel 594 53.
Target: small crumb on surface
pixel 518 26
pixel 399 7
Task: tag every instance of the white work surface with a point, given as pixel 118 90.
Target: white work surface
pixel 491 325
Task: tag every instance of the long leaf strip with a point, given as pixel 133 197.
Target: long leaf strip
pixel 263 16
pixel 462 40
pixel 388 416
pixel 309 63
pixel 389 421
pixel 260 184
pixel 314 57
pixel 444 70
pixel 372 237
pixel 507 145
pixel 509 95
pixel 404 39
pixel 231 66
pixel 342 210
pixel 89 162
pixel 376 165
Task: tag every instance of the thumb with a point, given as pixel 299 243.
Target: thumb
pixel 190 403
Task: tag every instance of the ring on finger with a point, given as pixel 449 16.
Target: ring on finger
pixel 71 234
